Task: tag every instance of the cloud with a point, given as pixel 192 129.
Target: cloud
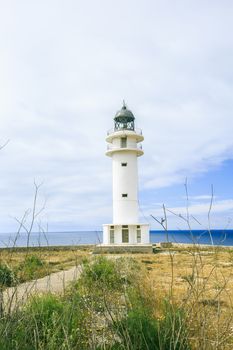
pixel 203 208
pixel 65 68
pixel 203 197
pixel 220 215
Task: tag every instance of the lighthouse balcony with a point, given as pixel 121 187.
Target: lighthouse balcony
pixel 117 133
pixel 113 130
pixel 112 149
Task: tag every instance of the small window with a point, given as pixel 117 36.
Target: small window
pixel 123 142
pixel 123 164
pixel 124 195
pixel 125 226
pixel 112 227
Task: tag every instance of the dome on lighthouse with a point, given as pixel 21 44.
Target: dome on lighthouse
pixel 124 113
pixel 124 119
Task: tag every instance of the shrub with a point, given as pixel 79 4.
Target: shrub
pixel 30 268
pixel 101 273
pixel 7 277
pixel 33 260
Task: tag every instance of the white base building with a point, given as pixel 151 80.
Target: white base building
pixel 126 234
pixel 124 148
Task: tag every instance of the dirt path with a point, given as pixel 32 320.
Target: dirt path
pixel 54 283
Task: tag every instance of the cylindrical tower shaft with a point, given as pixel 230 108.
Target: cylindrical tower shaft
pixel 125 187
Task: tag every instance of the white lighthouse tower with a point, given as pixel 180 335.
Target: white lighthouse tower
pixel 124 148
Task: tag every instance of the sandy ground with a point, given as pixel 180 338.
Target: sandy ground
pixel 54 283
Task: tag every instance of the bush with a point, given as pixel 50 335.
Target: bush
pixel 30 268
pixel 102 273
pixel 140 330
pixel 7 277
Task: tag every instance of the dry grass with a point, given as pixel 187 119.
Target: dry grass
pixel 213 268
pixel 201 281
pixel 54 259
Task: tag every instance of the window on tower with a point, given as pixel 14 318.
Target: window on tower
pixel 123 142
pixel 124 195
pixel 123 164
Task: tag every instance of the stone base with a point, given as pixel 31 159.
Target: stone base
pixel 123 248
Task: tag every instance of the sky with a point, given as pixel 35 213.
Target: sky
pixel 66 66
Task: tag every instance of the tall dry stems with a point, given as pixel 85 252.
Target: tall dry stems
pixel 210 323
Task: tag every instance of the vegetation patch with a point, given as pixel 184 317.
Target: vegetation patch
pixel 32 267
pixel 31 263
pixel 139 330
pixel 7 276
pixel 117 303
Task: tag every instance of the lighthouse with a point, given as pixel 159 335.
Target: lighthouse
pixel 124 147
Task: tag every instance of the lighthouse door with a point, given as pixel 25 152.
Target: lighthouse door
pixel 125 234
pixel 111 235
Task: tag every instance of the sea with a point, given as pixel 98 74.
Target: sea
pixel 216 237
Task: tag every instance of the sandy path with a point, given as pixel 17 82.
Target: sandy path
pixel 54 283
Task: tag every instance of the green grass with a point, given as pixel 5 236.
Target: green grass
pixel 47 322
pixel 104 309
pixel 139 330
pixel 32 267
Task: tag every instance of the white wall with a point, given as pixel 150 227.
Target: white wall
pixel 125 180
pixel 145 235
pixel 145 232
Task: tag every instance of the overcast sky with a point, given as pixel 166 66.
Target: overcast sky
pixel 66 66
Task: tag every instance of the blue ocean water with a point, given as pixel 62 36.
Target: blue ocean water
pixel 219 237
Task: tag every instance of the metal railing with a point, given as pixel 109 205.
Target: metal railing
pixel 110 147
pixel 136 130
